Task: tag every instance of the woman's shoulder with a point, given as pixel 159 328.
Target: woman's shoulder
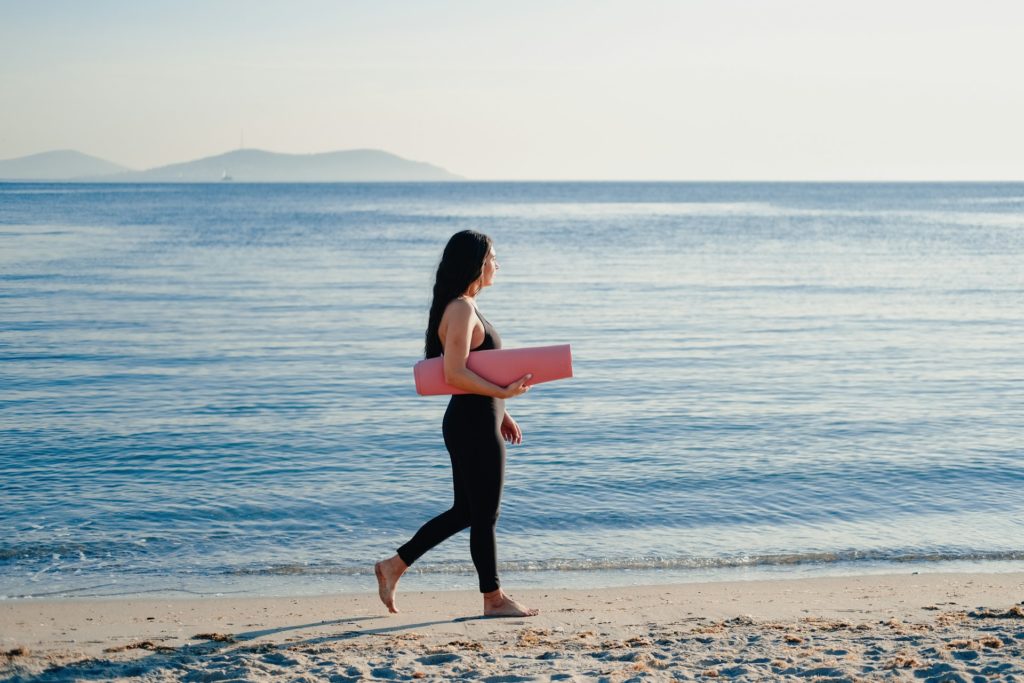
pixel 460 307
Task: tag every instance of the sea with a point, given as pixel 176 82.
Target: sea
pixel 207 389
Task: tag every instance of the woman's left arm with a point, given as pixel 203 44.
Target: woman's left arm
pixel 510 430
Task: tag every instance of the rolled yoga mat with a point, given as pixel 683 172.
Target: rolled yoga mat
pixel 501 366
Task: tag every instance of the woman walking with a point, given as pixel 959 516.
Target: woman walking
pixel 475 427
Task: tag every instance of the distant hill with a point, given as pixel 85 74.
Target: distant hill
pixel 243 165
pixel 258 166
pixel 64 164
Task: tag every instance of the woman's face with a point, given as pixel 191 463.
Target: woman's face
pixel 490 268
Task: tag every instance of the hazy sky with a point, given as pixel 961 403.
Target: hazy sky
pixel 637 89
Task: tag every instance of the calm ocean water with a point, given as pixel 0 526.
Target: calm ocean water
pixel 208 388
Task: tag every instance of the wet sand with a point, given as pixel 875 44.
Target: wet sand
pixel 929 626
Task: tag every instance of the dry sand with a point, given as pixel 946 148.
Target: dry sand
pixel 941 627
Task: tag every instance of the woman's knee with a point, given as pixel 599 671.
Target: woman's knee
pixel 486 518
pixel 461 514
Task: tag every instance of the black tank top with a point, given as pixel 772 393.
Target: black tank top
pixel 491 338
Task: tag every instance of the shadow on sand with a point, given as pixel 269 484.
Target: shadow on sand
pixel 193 662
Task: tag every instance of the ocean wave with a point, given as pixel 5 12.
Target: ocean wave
pixel 989 200
pixel 590 210
pixel 658 563
pixel 597 211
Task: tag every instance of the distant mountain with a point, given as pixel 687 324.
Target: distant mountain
pixel 64 164
pixel 258 166
pixel 243 165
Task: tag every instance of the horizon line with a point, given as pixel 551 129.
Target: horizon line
pixel 86 181
pixel 460 179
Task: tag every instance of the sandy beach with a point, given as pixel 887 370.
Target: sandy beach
pixel 938 626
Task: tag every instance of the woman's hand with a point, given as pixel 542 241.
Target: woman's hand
pixel 510 430
pixel 518 388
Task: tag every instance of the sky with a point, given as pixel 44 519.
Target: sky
pixel 530 90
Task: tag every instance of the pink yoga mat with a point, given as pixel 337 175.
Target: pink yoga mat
pixel 501 366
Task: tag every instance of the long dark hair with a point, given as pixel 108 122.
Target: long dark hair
pixel 461 264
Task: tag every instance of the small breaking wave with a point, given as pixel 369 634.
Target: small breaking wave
pixel 657 563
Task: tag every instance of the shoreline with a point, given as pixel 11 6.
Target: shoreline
pixel 318 583
pixel 863 627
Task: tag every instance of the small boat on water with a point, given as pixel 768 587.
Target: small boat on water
pixel 225 177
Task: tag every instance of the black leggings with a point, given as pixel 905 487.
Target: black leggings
pixel 472 433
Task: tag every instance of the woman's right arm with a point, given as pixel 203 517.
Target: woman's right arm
pixel 457 333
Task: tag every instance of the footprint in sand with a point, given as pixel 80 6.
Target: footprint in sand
pixel 443 658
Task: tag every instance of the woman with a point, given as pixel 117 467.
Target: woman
pixel 475 426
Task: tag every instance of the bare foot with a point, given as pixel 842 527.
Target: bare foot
pixel 498 604
pixel 388 573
